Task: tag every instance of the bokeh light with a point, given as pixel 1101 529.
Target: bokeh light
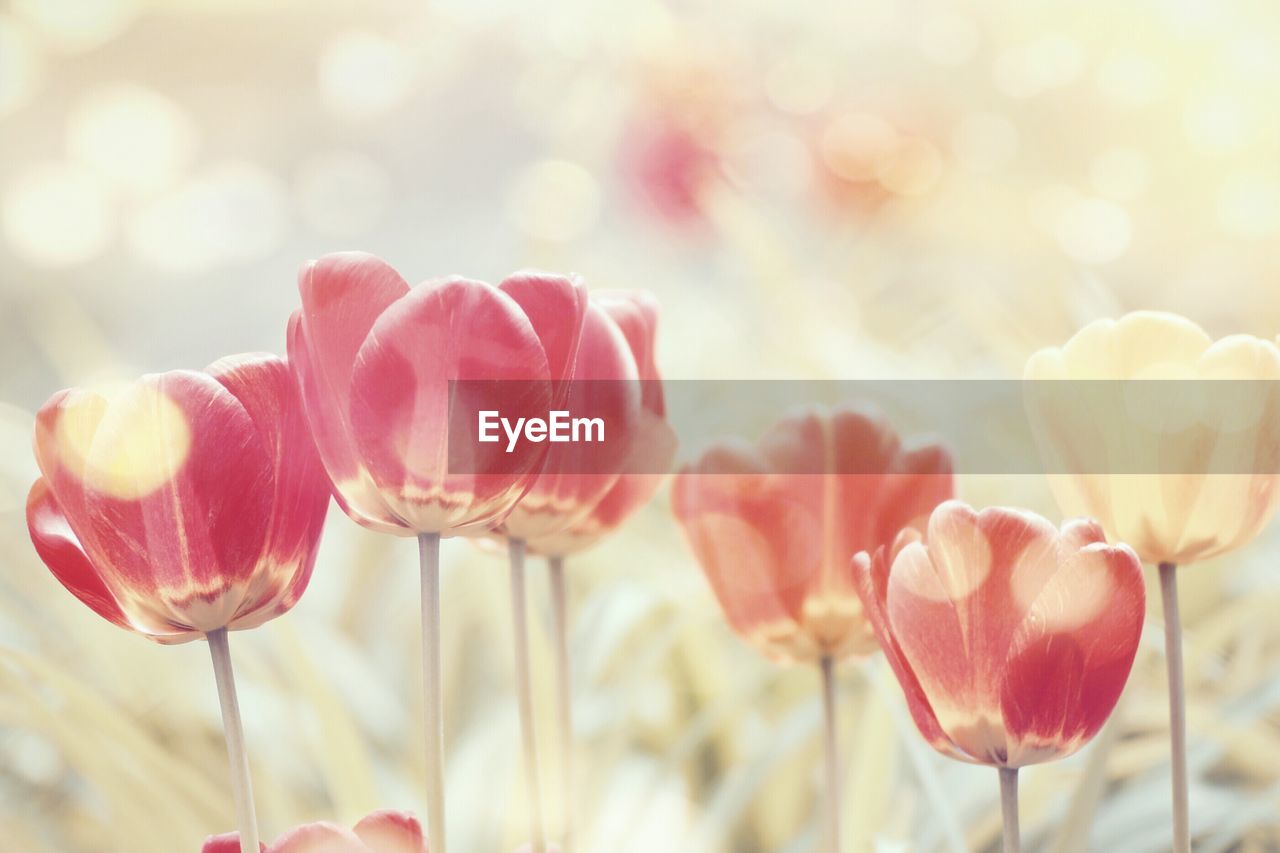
pixel 227 214
pixel 555 200
pixel 1249 205
pixel 984 142
pixel 57 214
pixel 134 136
pixel 364 74
pixel 21 66
pixel 79 24
pixel 1093 230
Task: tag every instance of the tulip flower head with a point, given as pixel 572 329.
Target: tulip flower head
pixel 575 476
pixel 650 448
pixel 182 503
pixel 380 832
pixel 1180 511
pixel 775 527
pixel 1011 639
pixel 374 359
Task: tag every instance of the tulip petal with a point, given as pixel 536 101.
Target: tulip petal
pixel 1071 657
pixel 871 581
pixel 226 843
pixel 951 608
pixel 58 547
pixel 342 296
pixel 655 451
pixel 400 408
pixel 576 475
pixel 1140 345
pixel 320 837
pixel 353 489
pixel 719 501
pixel 556 306
pixel 636 313
pixel 654 446
pixel 263 385
pixel 391 832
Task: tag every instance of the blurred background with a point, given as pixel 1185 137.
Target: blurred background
pixel 879 189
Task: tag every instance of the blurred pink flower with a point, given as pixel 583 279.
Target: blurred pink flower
pixel 381 832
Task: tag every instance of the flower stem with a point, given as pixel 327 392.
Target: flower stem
pixel 524 694
pixel 1177 706
pixel 832 751
pixel 233 730
pixel 432 679
pixel 564 696
pixel 1009 809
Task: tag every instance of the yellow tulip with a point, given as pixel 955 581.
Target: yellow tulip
pixel 1193 471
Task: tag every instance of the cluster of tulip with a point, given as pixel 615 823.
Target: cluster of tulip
pixel 138 514
pixel 1012 638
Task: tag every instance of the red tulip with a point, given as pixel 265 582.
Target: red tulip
pixel 775 527
pixel 184 503
pixel 380 832
pixel 374 359
pixel 653 443
pixel 1011 639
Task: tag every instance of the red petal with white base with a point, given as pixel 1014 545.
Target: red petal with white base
pixel 400 403
pixel 183 541
pixel 263 385
pixel 58 547
pixel 654 442
pixel 342 296
pixel 354 490
pixel 576 475
pixel 174 531
pixel 1019 636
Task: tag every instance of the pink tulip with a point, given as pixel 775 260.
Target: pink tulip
pixel 380 832
pixel 183 503
pixel 374 359
pixel 576 476
pixel 1011 639
pixel 651 445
